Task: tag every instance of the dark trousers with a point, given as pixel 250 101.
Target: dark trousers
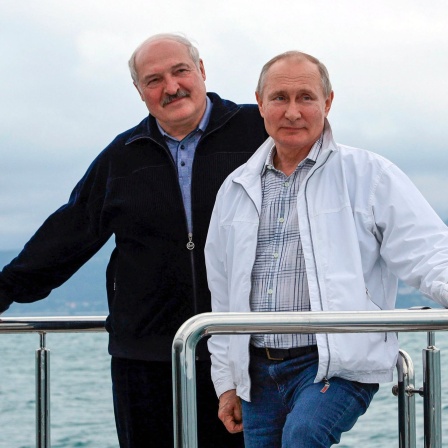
pixel 143 405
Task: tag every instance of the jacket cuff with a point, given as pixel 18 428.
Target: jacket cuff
pixel 222 386
pixel 439 293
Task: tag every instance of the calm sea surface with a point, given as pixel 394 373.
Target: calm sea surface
pixel 81 399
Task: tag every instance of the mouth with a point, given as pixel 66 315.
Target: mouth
pixel 292 128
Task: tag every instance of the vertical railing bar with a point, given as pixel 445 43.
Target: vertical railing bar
pixel 184 393
pixel 432 405
pixel 178 377
pixel 406 401
pixel 431 339
pixel 42 325
pixel 43 394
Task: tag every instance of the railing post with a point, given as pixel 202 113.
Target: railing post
pixel 42 395
pixel 432 393
pixel 42 325
pixel 406 401
pixel 184 393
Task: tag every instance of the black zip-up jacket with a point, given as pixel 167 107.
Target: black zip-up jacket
pixel 131 190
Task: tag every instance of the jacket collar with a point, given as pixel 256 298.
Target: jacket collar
pixel 254 166
pixel 222 111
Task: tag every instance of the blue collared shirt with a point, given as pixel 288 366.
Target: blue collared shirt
pixel 183 155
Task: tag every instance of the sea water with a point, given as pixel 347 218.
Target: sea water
pixel 81 398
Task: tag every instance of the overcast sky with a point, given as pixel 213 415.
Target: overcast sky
pixel 65 89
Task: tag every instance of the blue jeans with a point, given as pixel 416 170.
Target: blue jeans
pixel 143 405
pixel 288 410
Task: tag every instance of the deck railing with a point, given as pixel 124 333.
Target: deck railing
pixel 187 337
pixel 42 326
pixel 184 387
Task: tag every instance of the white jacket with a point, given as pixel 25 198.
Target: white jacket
pixel 362 224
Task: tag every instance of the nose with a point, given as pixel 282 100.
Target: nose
pixel 171 85
pixel 292 112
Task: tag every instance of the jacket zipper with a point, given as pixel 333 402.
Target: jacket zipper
pixel 327 383
pixel 190 244
pixel 190 247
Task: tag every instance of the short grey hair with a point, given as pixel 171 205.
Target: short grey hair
pixel 325 77
pixel 194 52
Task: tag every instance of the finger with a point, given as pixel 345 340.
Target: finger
pixel 232 426
pixel 237 412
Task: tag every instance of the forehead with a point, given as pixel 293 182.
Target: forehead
pixel 160 55
pixel 293 73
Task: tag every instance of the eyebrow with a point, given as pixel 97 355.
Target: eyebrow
pixel 285 92
pixel 277 93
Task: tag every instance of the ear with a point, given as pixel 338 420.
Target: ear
pixel 202 69
pixel 328 103
pixel 138 90
pixel 259 99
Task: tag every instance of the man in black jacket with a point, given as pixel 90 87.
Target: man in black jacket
pixel 153 188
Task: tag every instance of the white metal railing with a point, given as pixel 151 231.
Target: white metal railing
pixel 184 387
pixel 42 326
pixel 187 337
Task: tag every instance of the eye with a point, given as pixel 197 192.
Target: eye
pixel 181 71
pixel 152 81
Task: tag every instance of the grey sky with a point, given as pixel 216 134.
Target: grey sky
pixel 65 90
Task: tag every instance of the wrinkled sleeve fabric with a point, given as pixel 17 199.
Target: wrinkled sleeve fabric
pixel 414 240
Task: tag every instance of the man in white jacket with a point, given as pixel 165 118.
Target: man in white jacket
pixel 308 224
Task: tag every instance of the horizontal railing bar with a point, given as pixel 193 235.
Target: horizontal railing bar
pixel 291 322
pixel 309 322
pixel 56 324
pixel 316 322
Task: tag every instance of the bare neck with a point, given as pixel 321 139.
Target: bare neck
pixel 287 161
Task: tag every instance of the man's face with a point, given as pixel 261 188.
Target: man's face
pixel 171 86
pixel 293 104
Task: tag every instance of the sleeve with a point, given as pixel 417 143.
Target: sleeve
pixel 218 345
pixel 414 241
pixel 64 242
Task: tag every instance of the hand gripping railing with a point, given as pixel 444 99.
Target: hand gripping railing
pixel 187 337
pixel 42 326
